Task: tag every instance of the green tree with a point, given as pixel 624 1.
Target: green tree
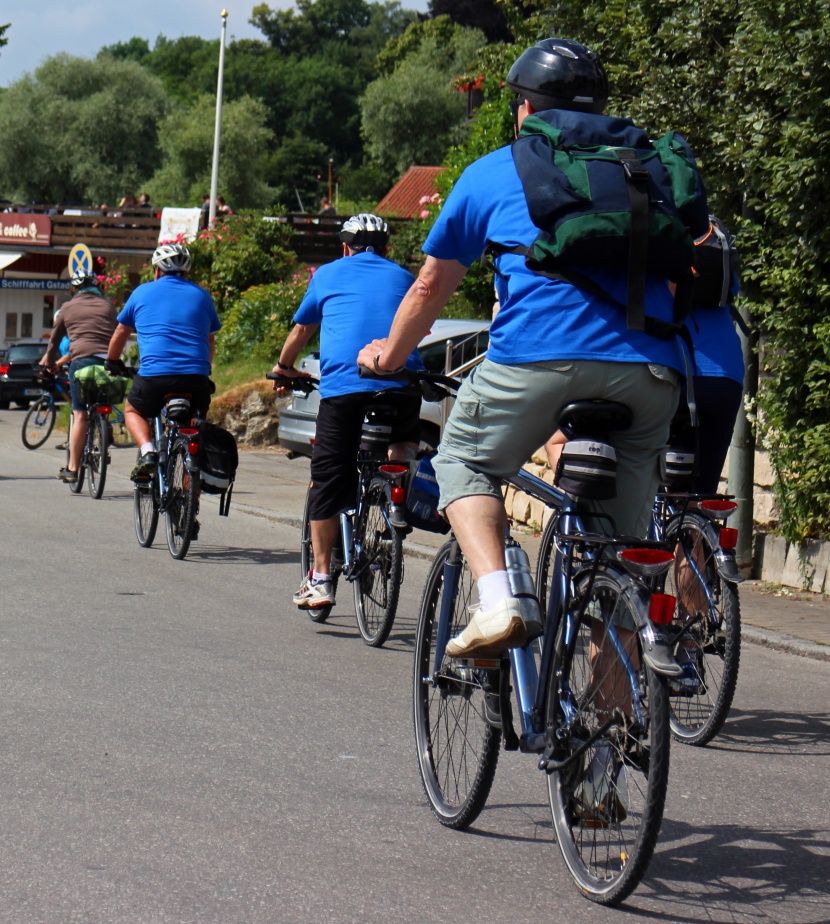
pixel 102 139
pixel 187 146
pixel 3 39
pixel 415 113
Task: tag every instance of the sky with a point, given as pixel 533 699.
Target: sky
pixel 42 28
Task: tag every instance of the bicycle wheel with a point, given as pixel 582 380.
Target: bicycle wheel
pixel 708 625
pixel 39 422
pixel 146 510
pixel 98 455
pixel 119 435
pixel 182 501
pixel 458 748
pixel 77 486
pixel 320 614
pixel 606 800
pixel 378 570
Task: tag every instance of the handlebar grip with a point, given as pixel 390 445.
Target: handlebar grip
pixel 304 383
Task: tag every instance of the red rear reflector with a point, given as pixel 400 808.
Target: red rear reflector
pixel 104 410
pixel 721 507
pixel 398 495
pixel 647 556
pixel 728 538
pixel 193 447
pixel 661 608
pixel 393 468
pixel 189 431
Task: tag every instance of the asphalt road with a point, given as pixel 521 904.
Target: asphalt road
pixel 179 744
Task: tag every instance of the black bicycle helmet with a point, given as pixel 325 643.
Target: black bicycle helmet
pixel 83 280
pixel 365 232
pixel 560 74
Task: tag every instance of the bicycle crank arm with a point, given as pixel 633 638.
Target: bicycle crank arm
pixel 549 765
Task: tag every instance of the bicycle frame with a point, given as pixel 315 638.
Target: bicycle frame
pixel 530 693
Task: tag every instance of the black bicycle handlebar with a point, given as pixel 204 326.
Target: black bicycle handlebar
pixel 434 385
pixel 303 383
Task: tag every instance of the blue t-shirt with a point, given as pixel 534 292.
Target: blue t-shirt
pixel 173 319
pixel 354 300
pixel 717 344
pixel 541 319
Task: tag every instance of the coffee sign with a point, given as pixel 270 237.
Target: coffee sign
pixel 28 230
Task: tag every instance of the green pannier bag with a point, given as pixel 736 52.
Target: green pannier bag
pixel 95 384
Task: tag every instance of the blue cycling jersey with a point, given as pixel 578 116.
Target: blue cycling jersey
pixel 354 301
pixel 173 319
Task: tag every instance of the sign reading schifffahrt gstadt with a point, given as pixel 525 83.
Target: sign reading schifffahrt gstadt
pixel 30 230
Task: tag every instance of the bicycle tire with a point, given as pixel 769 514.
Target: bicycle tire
pixel 146 509
pixel 320 613
pixel 378 571
pixel 75 486
pixel 607 803
pixel 97 455
pixel 39 422
pixel 457 748
pixel 119 434
pixel 715 638
pixel 544 564
pixel 181 502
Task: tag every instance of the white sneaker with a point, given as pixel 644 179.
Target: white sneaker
pixel 493 631
pixel 314 596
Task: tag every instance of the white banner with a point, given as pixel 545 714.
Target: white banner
pixel 179 224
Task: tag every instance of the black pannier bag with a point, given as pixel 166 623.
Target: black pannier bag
pixel 218 462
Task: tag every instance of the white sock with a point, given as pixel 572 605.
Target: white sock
pixel 493 588
pixel 318 578
pixel 146 447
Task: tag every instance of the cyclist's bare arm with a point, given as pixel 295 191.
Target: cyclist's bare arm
pixel 291 349
pixel 421 305
pixel 118 341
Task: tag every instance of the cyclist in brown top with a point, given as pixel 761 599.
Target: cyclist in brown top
pixel 88 319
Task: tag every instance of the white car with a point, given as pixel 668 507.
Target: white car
pixel 298 421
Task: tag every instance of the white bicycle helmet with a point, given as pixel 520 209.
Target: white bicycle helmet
pixel 172 258
pixel 365 232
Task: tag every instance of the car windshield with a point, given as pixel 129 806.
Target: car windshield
pixel 26 353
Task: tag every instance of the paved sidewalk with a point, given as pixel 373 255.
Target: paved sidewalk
pixel 271 485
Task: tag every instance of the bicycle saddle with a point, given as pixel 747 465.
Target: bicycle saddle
pixel 594 417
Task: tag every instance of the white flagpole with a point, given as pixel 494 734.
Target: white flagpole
pixel 214 176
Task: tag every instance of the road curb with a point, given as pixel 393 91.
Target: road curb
pixel 779 641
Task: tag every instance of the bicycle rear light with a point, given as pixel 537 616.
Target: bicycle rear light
pixel 398 494
pixel 646 562
pixel 728 538
pixel 189 431
pixel 104 410
pixel 661 608
pixel 717 509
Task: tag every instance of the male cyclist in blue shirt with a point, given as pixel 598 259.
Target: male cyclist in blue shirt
pixel 349 301
pixel 551 343
pixel 175 321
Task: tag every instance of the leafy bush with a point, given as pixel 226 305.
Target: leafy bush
pixel 261 319
pixel 241 251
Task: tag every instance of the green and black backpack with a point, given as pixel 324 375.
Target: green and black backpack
pixel 603 196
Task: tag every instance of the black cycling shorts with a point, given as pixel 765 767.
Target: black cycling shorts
pixel 334 458
pixel 148 393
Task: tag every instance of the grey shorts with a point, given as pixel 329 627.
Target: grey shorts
pixel 503 414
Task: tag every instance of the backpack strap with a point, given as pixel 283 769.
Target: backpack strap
pixel 636 177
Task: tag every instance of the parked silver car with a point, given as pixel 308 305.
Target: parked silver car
pixel 298 421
